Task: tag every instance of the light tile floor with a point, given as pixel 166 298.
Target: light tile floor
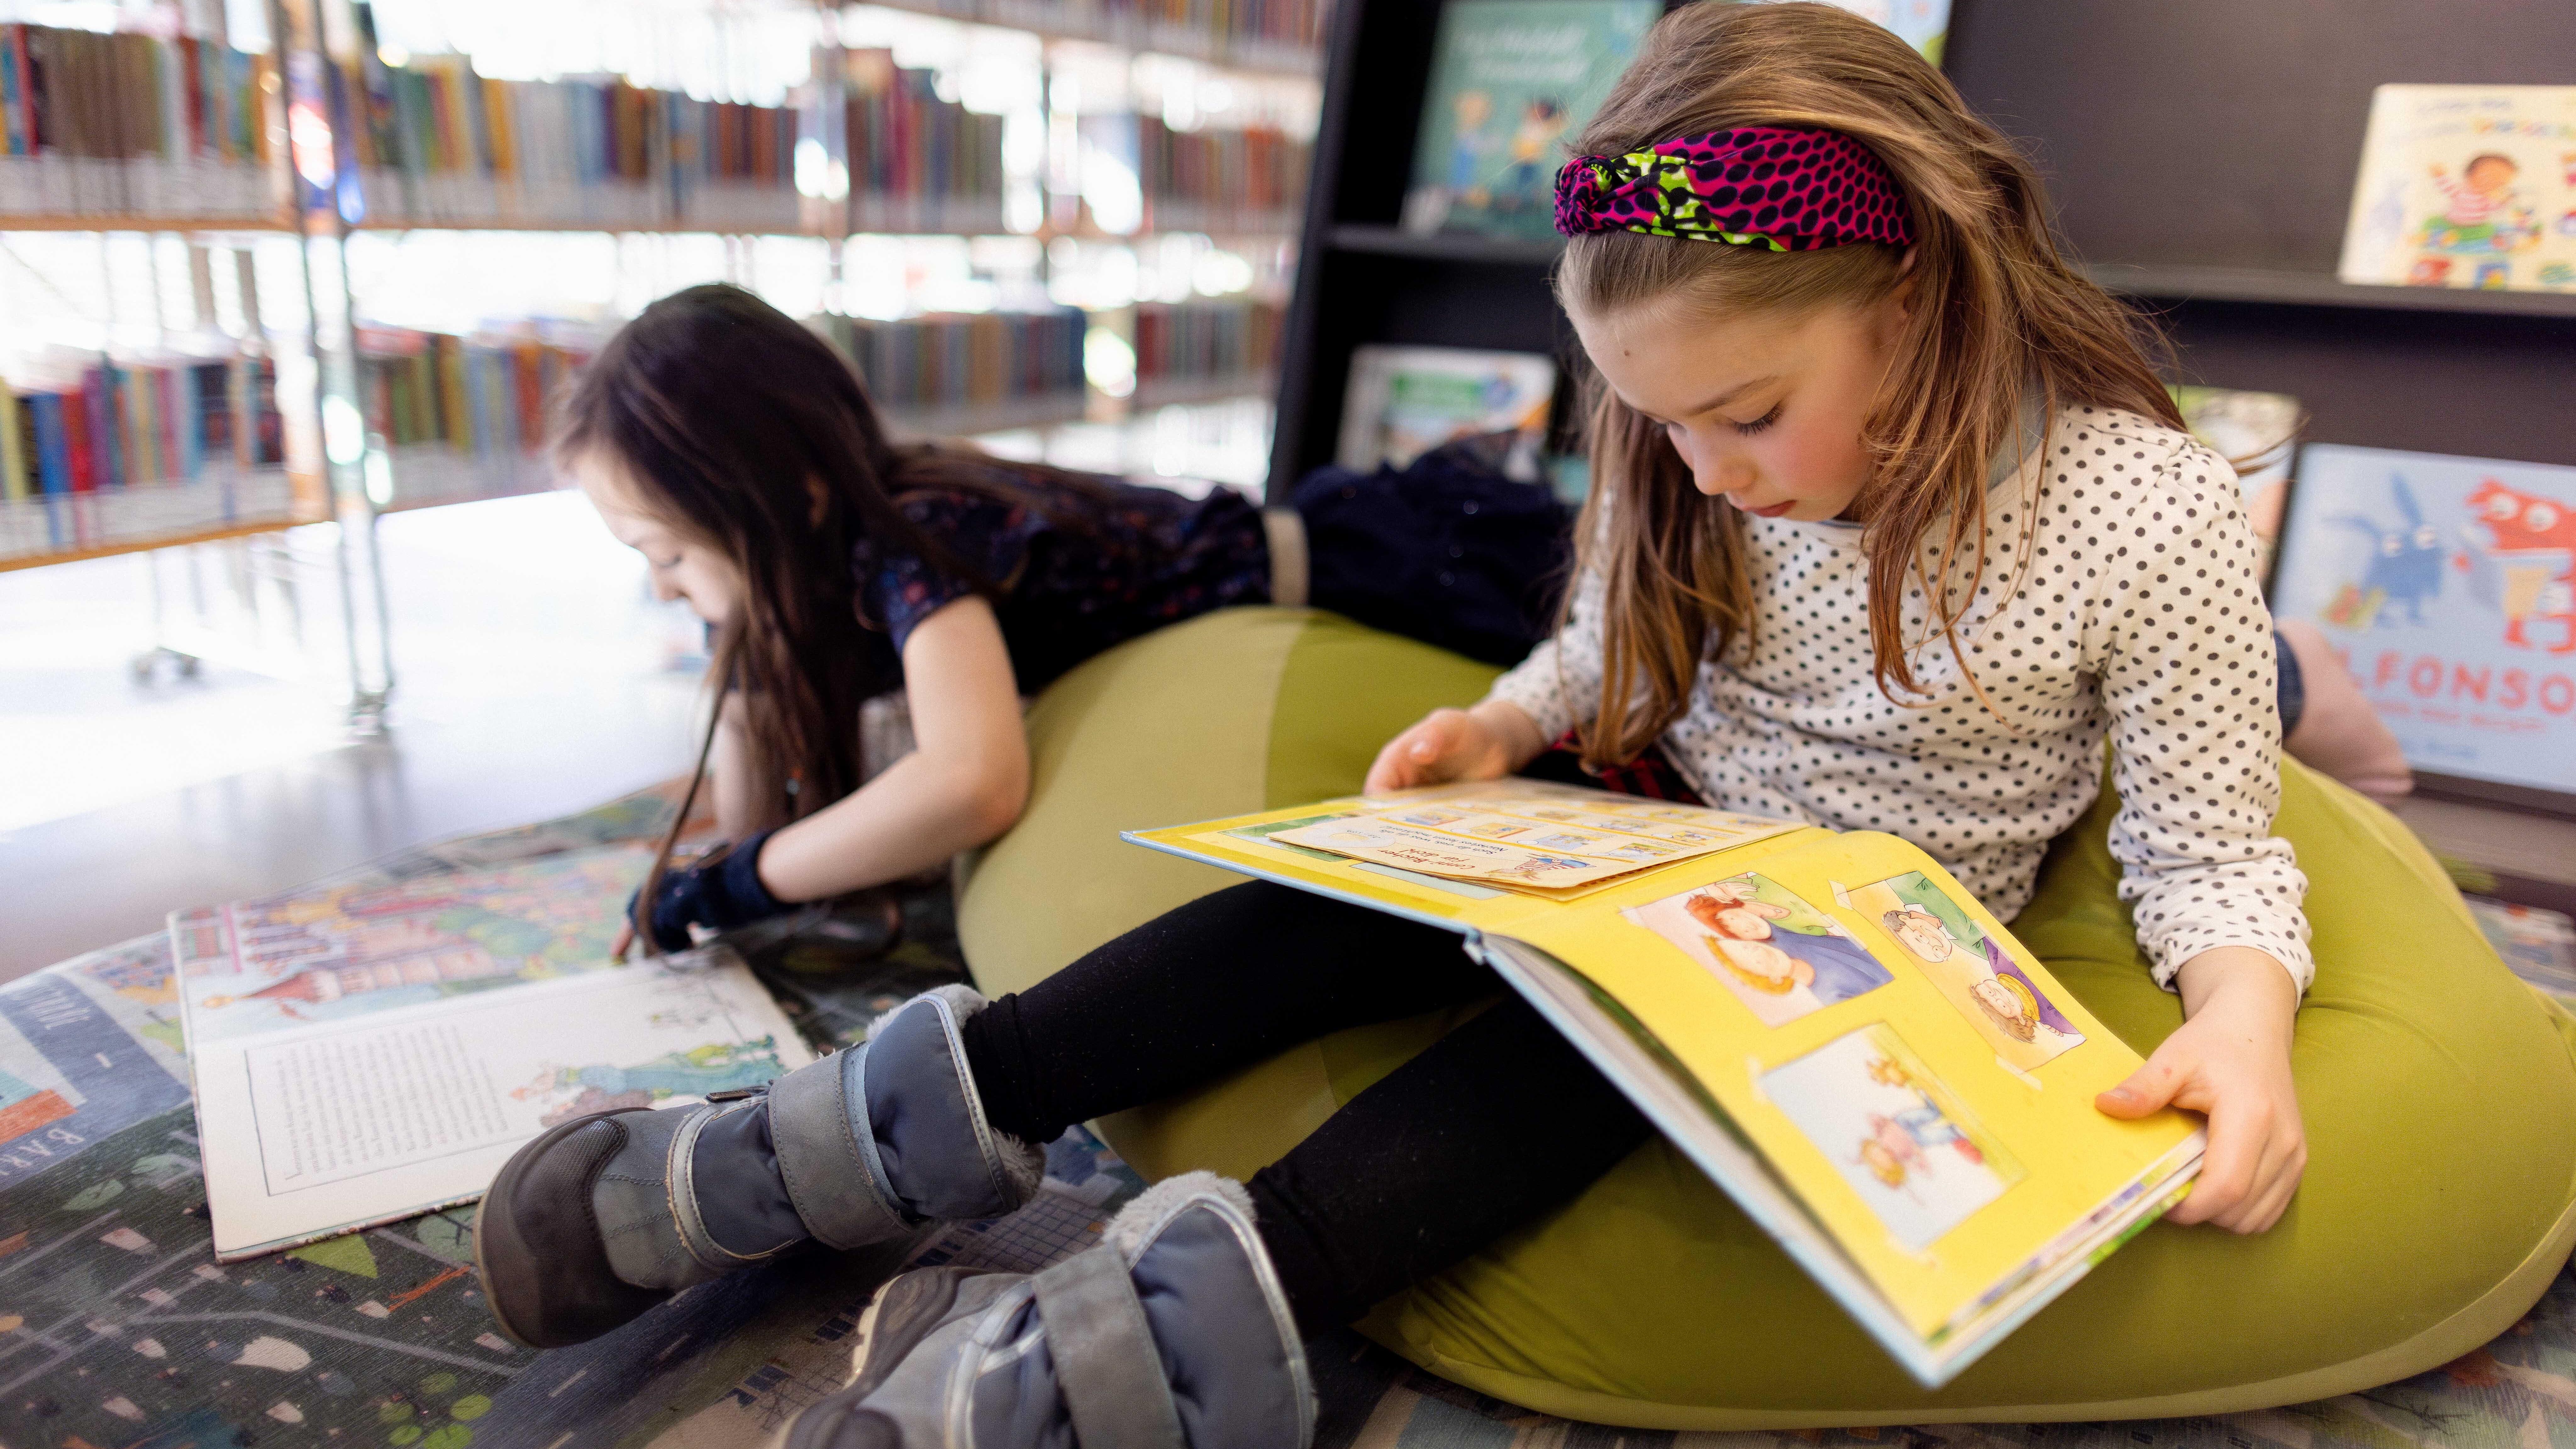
pixel 534 676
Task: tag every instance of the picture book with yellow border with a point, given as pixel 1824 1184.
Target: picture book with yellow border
pixel 1835 1030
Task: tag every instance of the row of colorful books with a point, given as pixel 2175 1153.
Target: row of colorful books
pixel 126 124
pixel 1213 340
pixel 953 362
pixel 483 398
pixel 916 162
pixel 1277 35
pixel 116 452
pixel 444 146
pixel 1217 180
pixel 131 425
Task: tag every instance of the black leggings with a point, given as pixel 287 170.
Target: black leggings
pixel 1425 1167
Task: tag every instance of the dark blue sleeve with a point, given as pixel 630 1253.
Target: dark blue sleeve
pixel 900 589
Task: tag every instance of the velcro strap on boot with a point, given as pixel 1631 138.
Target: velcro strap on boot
pixel 828 1156
pixel 1105 1359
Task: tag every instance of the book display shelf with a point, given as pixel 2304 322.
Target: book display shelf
pixel 343 148
pixel 2201 156
pixel 2234 247
pixel 2231 243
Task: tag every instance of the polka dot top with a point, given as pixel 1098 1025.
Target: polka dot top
pixel 2135 611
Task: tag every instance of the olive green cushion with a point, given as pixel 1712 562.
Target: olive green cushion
pixel 2438 1091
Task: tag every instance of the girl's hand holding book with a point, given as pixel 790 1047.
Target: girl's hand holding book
pixel 2230 1060
pixel 1454 745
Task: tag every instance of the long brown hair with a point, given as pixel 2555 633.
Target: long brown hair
pixel 748 434
pixel 1998 319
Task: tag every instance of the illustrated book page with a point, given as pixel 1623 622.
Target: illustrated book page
pixel 317 1128
pixel 1511 82
pixel 1402 402
pixel 1831 1026
pixel 375 1045
pixel 371 940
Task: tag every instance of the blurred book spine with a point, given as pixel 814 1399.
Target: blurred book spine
pixel 1226 181
pixel 121 126
pixel 1196 349
pixel 917 163
pixel 443 146
pixel 125 452
pixel 967 372
pixel 1280 35
pixel 462 417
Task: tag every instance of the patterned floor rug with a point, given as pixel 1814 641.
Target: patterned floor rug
pixel 117 1328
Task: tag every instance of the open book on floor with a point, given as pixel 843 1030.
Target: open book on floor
pixel 376 1046
pixel 1828 1024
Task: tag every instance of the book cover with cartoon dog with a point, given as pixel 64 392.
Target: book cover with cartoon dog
pixel 1828 1024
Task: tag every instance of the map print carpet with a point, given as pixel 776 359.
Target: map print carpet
pixel 118 1329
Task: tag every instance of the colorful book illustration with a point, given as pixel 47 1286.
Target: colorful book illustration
pixel 375 1047
pixel 1402 402
pixel 1828 1024
pixel 2258 434
pixel 2449 586
pixel 1510 80
pixel 1513 80
pixel 2466 186
pixel 2539 944
pixel 1923 24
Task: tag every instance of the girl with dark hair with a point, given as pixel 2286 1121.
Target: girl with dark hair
pixel 741 456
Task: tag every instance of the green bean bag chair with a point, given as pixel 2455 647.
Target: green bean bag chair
pixel 2438 1091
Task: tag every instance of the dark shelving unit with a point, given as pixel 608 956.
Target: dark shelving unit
pixel 1359 278
pixel 2200 152
pixel 2201 155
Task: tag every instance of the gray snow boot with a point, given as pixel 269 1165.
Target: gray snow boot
pixel 1173 1334
pixel 601 1217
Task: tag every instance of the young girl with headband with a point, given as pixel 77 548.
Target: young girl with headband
pixel 741 456
pixel 1893 526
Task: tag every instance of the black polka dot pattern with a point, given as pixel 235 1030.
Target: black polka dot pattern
pixel 1790 189
pixel 2120 596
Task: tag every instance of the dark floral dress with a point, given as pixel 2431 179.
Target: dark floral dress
pixel 1143 558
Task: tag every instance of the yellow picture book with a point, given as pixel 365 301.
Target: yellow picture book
pixel 1828 1024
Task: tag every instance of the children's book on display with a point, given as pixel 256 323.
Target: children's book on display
pixel 1513 80
pixel 2258 434
pixel 2466 186
pixel 1402 402
pixel 1510 80
pixel 2449 587
pixel 1828 1024
pixel 375 1046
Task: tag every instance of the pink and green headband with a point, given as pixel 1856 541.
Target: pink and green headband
pixel 1786 188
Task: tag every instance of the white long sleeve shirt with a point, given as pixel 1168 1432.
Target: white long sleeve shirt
pixel 2121 594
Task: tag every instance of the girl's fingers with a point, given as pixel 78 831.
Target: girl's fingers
pixel 2283 1166
pixel 2227 1169
pixel 2151 1088
pixel 1419 756
pixel 2258 1187
pixel 1396 765
pixel 2283 1191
